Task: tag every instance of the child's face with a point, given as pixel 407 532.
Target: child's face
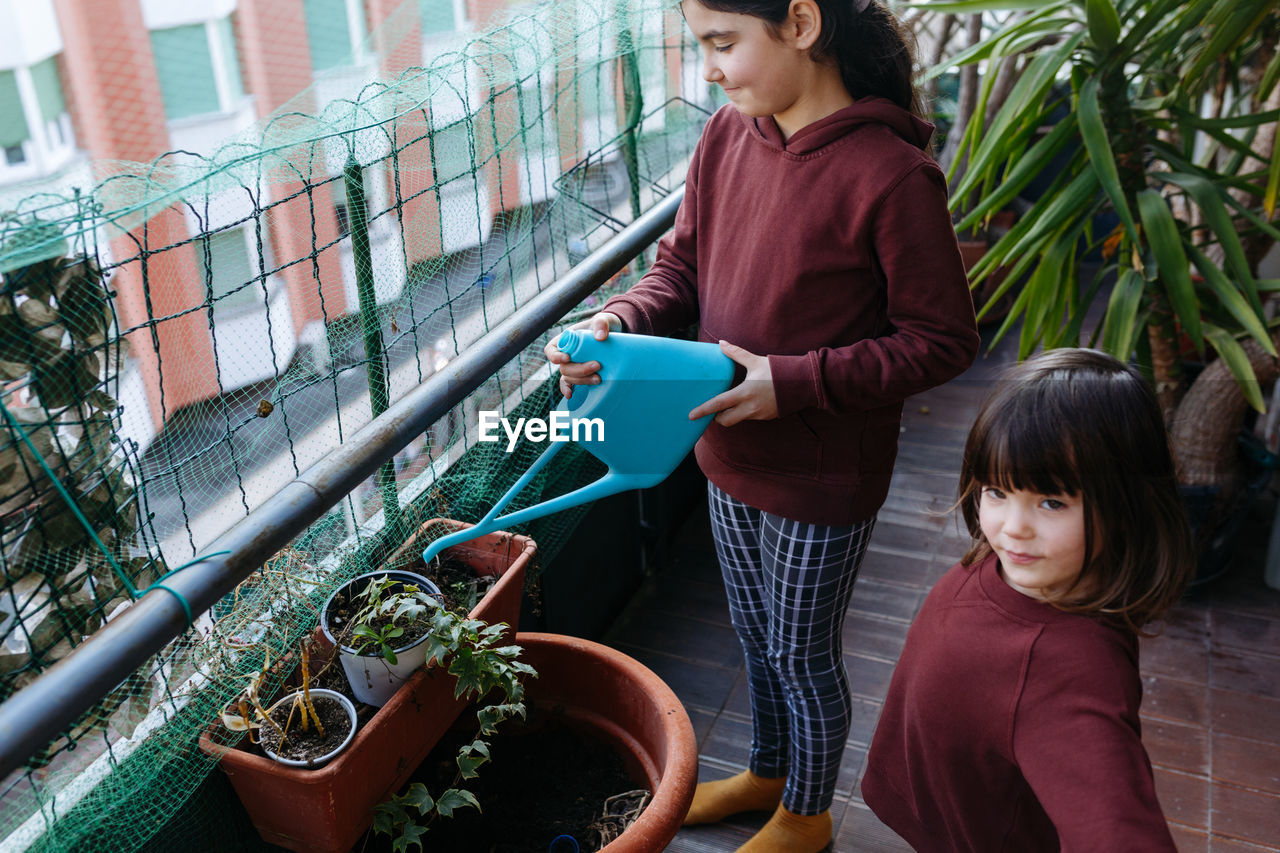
pixel 1040 539
pixel 759 74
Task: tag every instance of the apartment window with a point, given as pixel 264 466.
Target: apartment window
pixel 436 16
pixel 185 66
pixel 228 268
pixel 537 122
pixel 452 151
pixel 44 75
pixel 330 31
pixel 13 121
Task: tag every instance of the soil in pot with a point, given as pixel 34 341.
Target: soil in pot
pixel 543 781
pixel 459 584
pixel 347 603
pixel 308 745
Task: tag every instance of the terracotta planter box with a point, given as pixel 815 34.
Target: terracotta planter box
pixel 327 810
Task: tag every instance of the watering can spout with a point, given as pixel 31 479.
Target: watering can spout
pixel 636 421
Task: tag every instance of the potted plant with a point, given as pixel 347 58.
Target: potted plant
pixel 304 728
pixel 378 623
pixel 601 695
pixel 1175 106
pixel 328 808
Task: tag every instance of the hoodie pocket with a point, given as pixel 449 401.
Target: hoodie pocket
pixel 787 446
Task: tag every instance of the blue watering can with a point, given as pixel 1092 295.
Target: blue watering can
pixel 648 386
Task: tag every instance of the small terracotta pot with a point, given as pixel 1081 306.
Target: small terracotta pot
pixel 327 810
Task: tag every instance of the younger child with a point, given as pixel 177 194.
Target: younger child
pixel 1011 722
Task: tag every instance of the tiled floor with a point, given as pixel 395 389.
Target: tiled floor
pixel 1211 708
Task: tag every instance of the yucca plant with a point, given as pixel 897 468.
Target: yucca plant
pixel 1170 122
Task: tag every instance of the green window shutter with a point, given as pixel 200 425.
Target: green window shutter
pixel 452 150
pixel 535 120
pixel 436 16
pixel 48 89
pixel 231 268
pixel 328 33
pixel 13 123
pixel 227 40
pixel 185 67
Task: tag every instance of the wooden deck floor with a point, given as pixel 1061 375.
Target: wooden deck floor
pixel 1211 707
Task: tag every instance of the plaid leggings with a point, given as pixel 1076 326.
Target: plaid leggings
pixel 789 585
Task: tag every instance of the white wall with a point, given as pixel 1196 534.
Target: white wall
pixel 28 32
pixel 245 341
pixel 162 14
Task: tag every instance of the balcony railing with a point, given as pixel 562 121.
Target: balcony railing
pixel 160 495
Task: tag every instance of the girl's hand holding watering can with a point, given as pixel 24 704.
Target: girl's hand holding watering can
pixel 584 373
pixel 752 399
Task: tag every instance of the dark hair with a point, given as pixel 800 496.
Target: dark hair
pixel 873 50
pixel 1078 422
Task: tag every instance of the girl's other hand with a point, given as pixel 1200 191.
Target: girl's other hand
pixel 750 400
pixel 584 373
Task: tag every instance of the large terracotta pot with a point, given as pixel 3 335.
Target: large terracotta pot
pixel 328 809
pixel 623 703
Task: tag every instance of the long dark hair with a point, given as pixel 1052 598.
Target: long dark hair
pixel 874 51
pixel 1078 422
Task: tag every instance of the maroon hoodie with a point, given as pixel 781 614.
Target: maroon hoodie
pixel 833 253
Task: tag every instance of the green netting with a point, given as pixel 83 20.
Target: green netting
pixel 180 337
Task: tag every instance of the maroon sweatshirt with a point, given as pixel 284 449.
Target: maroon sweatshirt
pixel 833 254
pixel 1013 726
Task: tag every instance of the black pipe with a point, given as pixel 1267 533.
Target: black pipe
pixel 50 705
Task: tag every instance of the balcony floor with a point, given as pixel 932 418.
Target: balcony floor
pixel 1211 706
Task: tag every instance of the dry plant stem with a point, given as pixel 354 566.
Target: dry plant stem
pixel 262 712
pixel 307 706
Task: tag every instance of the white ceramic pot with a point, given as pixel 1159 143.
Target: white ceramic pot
pixel 316 693
pixel 373 679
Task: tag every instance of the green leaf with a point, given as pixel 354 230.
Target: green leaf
pixel 1240 22
pixel 455 798
pixel 1104 24
pixel 1069 205
pixel 1025 169
pixel 1120 324
pixel 1209 199
pixel 1237 361
pixel 384 819
pixel 1273 177
pixel 1166 244
pixel 389 655
pixel 1233 300
pixel 410 834
pixel 468 765
pixel 1269 77
pixel 1098 144
pixel 419 797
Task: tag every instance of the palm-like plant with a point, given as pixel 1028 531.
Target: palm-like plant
pixel 1186 181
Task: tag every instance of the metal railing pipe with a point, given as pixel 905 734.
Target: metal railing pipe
pixel 44 709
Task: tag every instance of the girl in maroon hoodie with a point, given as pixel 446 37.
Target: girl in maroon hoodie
pixel 1011 722
pixel 814 243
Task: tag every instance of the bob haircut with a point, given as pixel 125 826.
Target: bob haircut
pixel 1080 423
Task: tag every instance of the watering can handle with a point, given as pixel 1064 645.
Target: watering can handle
pixel 610 483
